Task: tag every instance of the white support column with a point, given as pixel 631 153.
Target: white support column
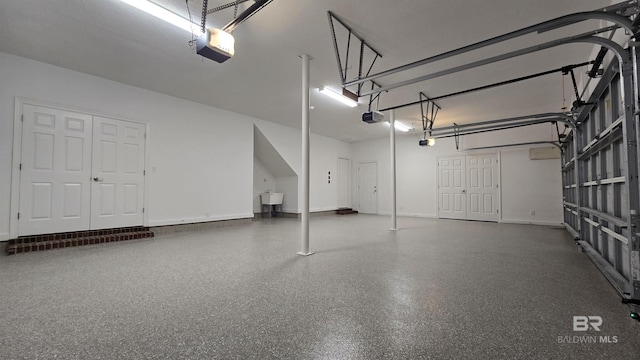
pixel 304 250
pixel 392 137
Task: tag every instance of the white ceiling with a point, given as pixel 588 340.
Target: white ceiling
pixel 115 41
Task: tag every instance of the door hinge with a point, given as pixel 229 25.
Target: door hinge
pixel 20 168
pixel 143 210
pixel 18 216
pixel 22 118
pixel 497 211
pixel 144 172
pixel 497 186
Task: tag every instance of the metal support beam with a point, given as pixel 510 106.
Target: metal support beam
pixel 484 87
pixel 304 238
pixel 502 123
pixel 490 60
pixel 516 144
pixel 251 10
pixel 544 26
pixel 392 142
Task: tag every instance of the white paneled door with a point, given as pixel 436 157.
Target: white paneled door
pixel 55 192
pixel 468 187
pixel 482 187
pixel 118 173
pixel 344 174
pixel 368 188
pixel 451 188
pixel 79 172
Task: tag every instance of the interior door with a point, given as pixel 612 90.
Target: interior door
pixel 344 174
pixel 368 188
pixel 451 188
pixel 482 187
pixel 117 192
pixel 55 171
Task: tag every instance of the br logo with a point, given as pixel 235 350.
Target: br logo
pixel 583 323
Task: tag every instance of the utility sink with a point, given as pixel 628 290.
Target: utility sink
pixel 271 198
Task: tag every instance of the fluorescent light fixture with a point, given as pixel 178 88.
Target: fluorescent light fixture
pixel 164 14
pixel 337 96
pixel 399 126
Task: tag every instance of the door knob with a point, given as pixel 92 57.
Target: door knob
pixel 97 179
pixel 464 191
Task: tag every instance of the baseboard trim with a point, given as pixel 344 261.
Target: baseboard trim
pixel 427 216
pixel 541 223
pixel 170 222
pixel 292 215
pixel 168 229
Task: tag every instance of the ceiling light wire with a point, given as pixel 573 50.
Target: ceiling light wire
pixel 193 37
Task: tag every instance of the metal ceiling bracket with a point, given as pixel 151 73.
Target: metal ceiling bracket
pixel 428 117
pixel 364 47
pixel 456 134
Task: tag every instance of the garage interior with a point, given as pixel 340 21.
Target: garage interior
pixel 474 194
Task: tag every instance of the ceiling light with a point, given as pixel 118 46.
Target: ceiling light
pixel 337 96
pixel 163 14
pixel 400 126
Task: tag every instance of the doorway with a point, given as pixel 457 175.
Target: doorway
pixel 79 172
pixel 468 187
pixel 368 188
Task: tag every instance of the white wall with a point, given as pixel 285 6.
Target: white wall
pixel 201 158
pixel 288 185
pixel 324 153
pixel 188 179
pixel 263 181
pixel 530 185
pixel 525 184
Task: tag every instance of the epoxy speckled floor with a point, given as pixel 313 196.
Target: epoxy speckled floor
pixel 436 289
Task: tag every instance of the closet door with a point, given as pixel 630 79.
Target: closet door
pixel 55 171
pixel 451 188
pixel 117 192
pixel 482 187
pixel 468 187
